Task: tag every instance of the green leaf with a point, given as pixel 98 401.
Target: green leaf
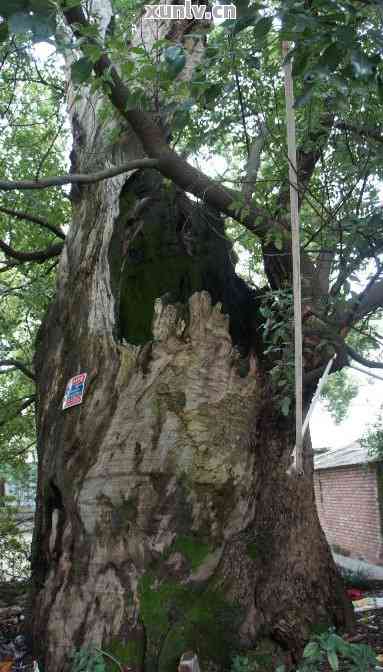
pixel 262 27
pixel 134 99
pixel 21 22
pixel 278 241
pixel 346 35
pixel 253 61
pixel 175 58
pixel 305 97
pixel 140 51
pixel 69 4
pixel 332 56
pixel 340 644
pixel 301 58
pixel 81 70
pixel 362 65
pixel 241 24
pixel 10 7
pixel 228 25
pixel 42 7
pixel 285 406
pixel 333 660
pixel 380 89
pixel 4 31
pixel 127 68
pixel 41 26
pixel 149 72
pixel 211 93
pixel 92 52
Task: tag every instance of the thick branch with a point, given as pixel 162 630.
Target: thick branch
pixel 38 256
pixel 40 221
pixel 370 300
pixel 311 377
pixel 362 360
pixel 16 364
pixel 77 179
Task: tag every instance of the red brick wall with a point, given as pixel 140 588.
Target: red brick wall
pixel 348 506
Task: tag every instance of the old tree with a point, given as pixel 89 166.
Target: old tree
pixel 166 517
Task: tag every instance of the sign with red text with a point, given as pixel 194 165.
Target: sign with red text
pixel 74 391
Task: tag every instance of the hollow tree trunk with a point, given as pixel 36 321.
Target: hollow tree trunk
pixel 166 520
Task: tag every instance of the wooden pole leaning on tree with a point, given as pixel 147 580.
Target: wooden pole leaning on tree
pixel 295 248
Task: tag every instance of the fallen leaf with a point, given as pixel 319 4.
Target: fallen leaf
pixel 6 665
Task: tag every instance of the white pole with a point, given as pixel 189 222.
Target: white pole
pixel 295 248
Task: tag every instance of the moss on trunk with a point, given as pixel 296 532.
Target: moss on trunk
pixel 174 247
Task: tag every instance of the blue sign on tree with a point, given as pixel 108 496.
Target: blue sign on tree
pixel 74 391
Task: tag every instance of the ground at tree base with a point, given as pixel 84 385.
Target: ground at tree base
pixel 368 629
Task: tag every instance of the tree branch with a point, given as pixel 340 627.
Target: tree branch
pixel 370 300
pixel 8 265
pixel 253 163
pixel 38 256
pixel 353 265
pixel 40 221
pixel 306 161
pixel 77 179
pixel 362 360
pixel 28 402
pixel 16 364
pixel 323 270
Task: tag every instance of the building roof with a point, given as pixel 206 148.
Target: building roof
pixel 353 453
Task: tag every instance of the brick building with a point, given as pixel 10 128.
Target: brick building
pixel 349 496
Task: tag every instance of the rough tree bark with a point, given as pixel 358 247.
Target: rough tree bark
pixel 166 520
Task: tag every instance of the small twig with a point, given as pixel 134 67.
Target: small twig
pixel 40 221
pixel 109 655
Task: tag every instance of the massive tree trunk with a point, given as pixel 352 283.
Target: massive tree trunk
pixel 166 519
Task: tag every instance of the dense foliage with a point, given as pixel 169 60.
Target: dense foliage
pixel 33 142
